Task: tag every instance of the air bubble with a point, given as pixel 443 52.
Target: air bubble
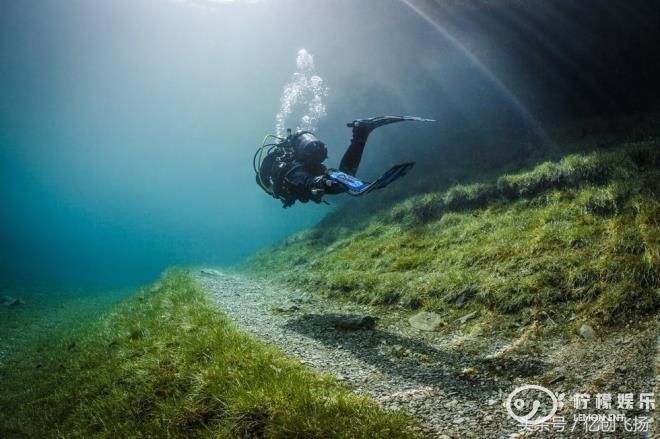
pixel 302 98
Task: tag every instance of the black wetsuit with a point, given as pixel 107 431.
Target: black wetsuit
pixel 295 181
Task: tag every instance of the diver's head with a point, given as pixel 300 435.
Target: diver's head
pixel 307 148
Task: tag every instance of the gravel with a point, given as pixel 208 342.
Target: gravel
pixel 450 383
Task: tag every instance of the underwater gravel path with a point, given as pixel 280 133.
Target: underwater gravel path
pixel 443 381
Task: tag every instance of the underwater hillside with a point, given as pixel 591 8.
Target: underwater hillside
pixel 576 237
pixel 549 275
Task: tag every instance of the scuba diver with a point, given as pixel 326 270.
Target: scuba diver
pixel 292 169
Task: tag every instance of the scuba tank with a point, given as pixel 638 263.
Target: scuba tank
pixel 302 146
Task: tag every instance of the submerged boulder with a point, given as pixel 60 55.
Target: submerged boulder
pixel 426 321
pixel 587 332
pixel 11 301
pixel 466 318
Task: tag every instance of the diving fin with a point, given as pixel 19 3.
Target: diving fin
pixel 374 122
pixel 393 174
pixel 356 187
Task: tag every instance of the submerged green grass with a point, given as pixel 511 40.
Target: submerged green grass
pixel 578 236
pixel 167 363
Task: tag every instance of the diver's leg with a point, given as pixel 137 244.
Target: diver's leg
pixel 361 129
pixel 353 155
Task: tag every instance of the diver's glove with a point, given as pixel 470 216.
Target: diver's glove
pixel 322 185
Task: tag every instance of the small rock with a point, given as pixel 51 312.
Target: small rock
pixel 11 301
pixel 492 401
pixel 587 332
pixel 460 300
pixel 621 369
pixel 354 323
pixel 450 404
pixel 17 302
pixel 287 308
pixel 465 295
pixel 466 318
pixel 556 379
pixel 426 321
pixel 414 395
pixel 303 298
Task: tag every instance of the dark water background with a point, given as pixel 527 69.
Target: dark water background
pixel 127 127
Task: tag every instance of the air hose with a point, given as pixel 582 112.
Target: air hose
pixel 258 157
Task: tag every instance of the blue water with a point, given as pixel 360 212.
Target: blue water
pixel 127 128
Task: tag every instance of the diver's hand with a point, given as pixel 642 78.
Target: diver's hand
pixel 322 185
pixel 323 182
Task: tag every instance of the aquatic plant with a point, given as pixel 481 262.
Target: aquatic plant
pixel 168 363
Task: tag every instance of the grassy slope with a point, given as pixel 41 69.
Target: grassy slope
pixel 44 312
pixel 579 236
pixel 168 363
